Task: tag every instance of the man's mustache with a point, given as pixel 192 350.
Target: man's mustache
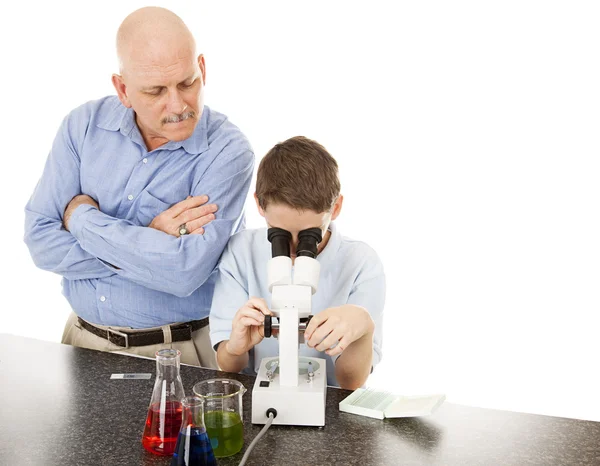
pixel 178 118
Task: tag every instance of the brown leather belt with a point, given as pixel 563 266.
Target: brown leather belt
pixel 179 332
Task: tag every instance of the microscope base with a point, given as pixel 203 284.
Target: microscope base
pixel 302 405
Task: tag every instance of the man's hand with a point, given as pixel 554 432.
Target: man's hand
pixel 73 204
pixel 192 213
pixel 247 329
pixel 338 326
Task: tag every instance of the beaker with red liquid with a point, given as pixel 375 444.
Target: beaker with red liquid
pixel 165 411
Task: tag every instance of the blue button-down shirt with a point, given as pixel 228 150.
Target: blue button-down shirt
pixel 116 270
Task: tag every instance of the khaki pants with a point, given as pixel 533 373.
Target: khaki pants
pixel 195 352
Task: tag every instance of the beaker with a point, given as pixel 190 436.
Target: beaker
pixel 193 446
pixel 164 413
pixel 223 414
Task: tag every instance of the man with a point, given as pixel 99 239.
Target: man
pixel 122 209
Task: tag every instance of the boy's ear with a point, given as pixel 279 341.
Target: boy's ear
pixel 337 207
pixel 260 209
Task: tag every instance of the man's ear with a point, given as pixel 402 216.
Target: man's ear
pixel 202 66
pixel 260 209
pixel 119 84
pixel 337 207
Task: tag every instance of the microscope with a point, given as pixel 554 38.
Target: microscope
pixel 294 386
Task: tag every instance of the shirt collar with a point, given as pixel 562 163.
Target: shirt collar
pixel 112 118
pixel 121 118
pixel 329 251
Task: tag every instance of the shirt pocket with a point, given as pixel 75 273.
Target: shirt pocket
pixel 149 207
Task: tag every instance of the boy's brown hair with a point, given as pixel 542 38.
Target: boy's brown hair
pixel 300 173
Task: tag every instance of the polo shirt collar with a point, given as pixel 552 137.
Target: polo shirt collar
pixel 333 245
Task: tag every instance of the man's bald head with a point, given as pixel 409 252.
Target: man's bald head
pixel 149 33
pixel 161 77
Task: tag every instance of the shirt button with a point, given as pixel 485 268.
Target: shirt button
pixel 130 197
pixel 102 298
pixel 145 160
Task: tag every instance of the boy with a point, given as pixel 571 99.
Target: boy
pixel 298 188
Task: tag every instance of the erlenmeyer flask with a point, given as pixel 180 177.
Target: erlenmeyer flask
pixel 164 413
pixel 193 445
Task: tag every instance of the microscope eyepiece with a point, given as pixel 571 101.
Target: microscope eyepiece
pixel 308 240
pixel 280 242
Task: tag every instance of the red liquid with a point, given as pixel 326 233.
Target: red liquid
pixel 162 428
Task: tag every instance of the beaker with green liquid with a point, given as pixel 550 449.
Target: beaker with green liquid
pixel 223 414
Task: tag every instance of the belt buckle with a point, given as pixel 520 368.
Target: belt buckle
pixel 121 334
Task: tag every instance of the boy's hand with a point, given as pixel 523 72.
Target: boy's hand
pixel 247 329
pixel 338 326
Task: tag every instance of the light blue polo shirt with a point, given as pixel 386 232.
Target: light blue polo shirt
pixel 351 273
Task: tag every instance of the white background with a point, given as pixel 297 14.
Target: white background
pixel 467 136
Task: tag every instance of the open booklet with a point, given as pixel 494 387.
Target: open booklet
pixel 380 404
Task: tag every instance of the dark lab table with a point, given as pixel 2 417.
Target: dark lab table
pixel 60 407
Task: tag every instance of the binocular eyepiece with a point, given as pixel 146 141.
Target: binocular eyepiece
pixel 308 240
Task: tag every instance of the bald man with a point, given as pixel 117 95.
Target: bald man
pixel 138 198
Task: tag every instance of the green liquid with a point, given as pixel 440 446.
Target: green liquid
pixel 225 431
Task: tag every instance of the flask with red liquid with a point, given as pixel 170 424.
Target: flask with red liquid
pixel 165 411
